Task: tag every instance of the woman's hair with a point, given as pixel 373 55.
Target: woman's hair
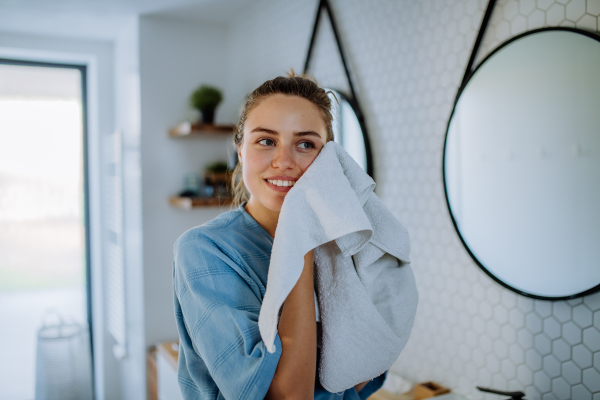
pixel 292 85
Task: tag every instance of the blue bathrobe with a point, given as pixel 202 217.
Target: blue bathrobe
pixel 219 279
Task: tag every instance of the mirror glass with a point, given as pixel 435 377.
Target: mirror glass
pixel 346 128
pixel 522 164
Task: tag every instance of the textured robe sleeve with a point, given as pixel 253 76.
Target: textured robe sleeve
pixel 217 318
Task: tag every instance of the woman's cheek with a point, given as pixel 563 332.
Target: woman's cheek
pixel 259 159
pixel 308 161
pixel 254 168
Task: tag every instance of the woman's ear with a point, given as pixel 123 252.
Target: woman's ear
pixel 239 151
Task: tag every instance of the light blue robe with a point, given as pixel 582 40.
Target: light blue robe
pixel 219 278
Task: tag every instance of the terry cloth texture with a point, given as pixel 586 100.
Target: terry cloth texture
pixel 219 279
pixel 366 292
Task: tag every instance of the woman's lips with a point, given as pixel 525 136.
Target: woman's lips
pixel 278 188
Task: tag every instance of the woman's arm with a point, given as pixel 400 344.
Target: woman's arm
pixel 217 313
pixel 297 367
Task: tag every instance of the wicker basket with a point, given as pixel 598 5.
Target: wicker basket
pixel 63 368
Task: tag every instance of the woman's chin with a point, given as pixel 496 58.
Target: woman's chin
pixel 275 204
pixel 276 207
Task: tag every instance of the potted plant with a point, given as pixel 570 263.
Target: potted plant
pixel 218 175
pixel 206 98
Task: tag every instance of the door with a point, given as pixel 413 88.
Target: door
pixel 44 230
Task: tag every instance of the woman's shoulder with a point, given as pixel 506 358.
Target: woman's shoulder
pixel 213 231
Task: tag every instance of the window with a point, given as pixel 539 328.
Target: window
pixel 44 230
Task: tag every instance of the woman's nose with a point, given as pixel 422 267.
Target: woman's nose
pixel 284 158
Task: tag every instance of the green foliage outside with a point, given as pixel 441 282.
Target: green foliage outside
pixel 12 280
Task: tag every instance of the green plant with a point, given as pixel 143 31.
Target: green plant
pixel 218 166
pixel 206 97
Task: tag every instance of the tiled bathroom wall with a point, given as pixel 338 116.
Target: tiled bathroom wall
pixel 408 58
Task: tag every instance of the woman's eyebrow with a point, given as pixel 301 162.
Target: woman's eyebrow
pixel 307 133
pixel 265 130
pixel 272 132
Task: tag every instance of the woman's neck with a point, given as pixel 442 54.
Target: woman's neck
pixel 265 217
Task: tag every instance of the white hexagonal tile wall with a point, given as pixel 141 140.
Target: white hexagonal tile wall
pixel 591 380
pixel 542 344
pixel 571 372
pixel 555 14
pixel 591 338
pixel 542 382
pixel 561 311
pixel 552 328
pixel 582 356
pixel 408 59
pixel 533 323
pixel 562 349
pixel 571 333
pixel 561 388
pixel 533 359
pixel 575 10
pixel 580 392
pixel 593 7
pixel 587 22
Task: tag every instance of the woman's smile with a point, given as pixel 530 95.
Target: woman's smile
pixel 280 186
pixel 281 183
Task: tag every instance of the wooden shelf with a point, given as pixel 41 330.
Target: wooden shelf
pixel 186 129
pixel 188 203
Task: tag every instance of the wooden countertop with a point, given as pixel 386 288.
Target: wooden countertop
pixel 170 351
pixel 382 394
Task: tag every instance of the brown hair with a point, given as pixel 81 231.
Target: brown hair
pixel 292 85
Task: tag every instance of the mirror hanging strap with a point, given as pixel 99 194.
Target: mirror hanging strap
pixel 480 35
pixel 324 6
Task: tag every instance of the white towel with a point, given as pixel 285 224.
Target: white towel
pixel 366 292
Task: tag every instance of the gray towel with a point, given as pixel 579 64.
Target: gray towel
pixel 366 292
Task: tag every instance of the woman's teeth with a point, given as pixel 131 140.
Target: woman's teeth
pixel 281 183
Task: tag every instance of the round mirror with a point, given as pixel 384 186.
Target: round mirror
pixel 348 131
pixel 522 164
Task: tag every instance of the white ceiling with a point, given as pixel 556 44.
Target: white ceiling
pixel 102 19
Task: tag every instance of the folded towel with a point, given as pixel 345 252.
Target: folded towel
pixel 366 291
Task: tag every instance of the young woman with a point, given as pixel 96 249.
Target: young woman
pixel 220 268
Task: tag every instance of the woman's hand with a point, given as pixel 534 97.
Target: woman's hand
pixel 360 386
pixel 309 258
pixel 297 368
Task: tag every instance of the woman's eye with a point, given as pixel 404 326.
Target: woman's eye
pixel 265 140
pixel 311 145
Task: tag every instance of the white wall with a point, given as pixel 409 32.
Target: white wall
pixel 132 376
pixel 265 42
pixel 174 57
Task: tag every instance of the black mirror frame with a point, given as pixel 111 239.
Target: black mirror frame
pixel 467 77
pixel 352 99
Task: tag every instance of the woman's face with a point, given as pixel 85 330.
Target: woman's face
pixel 282 137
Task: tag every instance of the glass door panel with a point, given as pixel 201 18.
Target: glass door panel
pixel 42 214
